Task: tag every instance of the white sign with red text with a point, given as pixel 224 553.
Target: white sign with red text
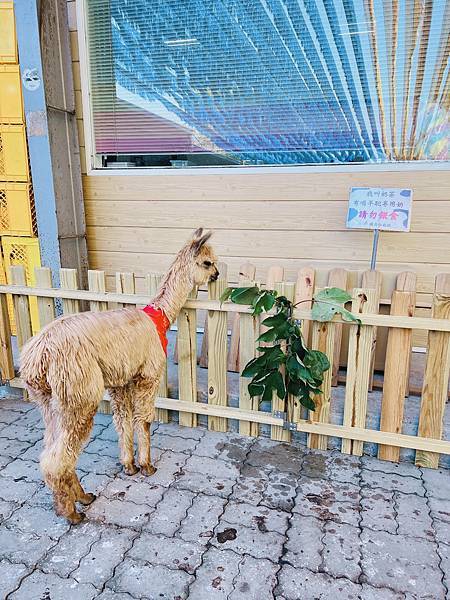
pixel 386 209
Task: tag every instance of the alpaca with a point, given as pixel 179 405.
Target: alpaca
pixel 69 364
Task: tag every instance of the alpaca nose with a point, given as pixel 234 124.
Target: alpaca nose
pixel 215 275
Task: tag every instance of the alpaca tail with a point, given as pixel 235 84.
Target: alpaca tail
pixel 34 364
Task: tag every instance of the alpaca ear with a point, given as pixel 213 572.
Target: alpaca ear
pixel 200 240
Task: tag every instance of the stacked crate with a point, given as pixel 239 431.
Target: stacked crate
pixel 18 231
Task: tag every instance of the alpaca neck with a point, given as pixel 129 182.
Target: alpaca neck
pixel 173 293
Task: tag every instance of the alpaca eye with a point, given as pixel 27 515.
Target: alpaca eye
pixel 207 263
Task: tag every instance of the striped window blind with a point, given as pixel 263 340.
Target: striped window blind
pixel 181 83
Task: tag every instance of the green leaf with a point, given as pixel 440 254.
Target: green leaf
pixel 267 396
pixel 244 295
pixel 252 367
pixel 276 320
pixel 317 362
pixel 268 336
pixel 293 367
pixel 278 382
pixel 305 400
pixel 226 294
pixel 335 295
pixel 255 389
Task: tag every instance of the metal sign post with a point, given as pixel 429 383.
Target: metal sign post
pixel 379 209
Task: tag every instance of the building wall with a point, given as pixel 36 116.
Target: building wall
pixel 137 222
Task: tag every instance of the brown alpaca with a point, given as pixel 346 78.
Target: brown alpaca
pixel 68 365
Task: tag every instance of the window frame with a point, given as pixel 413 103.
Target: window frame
pixel 94 168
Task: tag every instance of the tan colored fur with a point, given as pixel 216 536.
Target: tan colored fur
pixel 68 365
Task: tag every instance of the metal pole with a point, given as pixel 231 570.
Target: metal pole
pixel 373 260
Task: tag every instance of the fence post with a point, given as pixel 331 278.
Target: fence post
pixel 396 371
pixel 304 291
pixel 323 339
pixel 69 281
pixel 125 284
pixel 97 283
pixel 435 383
pixel 21 307
pixel 359 368
pixel 187 360
pixel 373 280
pixel 6 357
pixel 217 352
pixel 247 274
pixel 46 306
pixel 337 278
pixel 162 414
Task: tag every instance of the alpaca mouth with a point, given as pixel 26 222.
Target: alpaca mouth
pixel 214 277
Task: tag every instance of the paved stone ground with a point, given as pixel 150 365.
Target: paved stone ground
pixel 224 517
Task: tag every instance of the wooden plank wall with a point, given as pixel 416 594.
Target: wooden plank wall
pixel 137 222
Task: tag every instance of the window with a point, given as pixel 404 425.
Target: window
pixel 189 83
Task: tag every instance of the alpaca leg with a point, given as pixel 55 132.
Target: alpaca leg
pixel 144 392
pixel 123 422
pixel 58 462
pixel 79 494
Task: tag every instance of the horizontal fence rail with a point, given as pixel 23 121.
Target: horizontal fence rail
pixel 351 344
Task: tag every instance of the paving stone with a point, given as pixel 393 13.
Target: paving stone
pixel 140 491
pixel 392 482
pixel 174 443
pixel 27 548
pixel 119 512
pixel 103 448
pixel 413 516
pixel 442 531
pixel 170 512
pixel 404 469
pixel 6 510
pixel 94 483
pixel 168 464
pixel 38 520
pixel 327 499
pixel 225 446
pixel 281 456
pixel 43 497
pixel 299 583
pixel 333 465
pixel 195 433
pixel 23 469
pixel 108 433
pixel 111 595
pixel 98 565
pixel 342 553
pixel 372 593
pixel 440 509
pixel 401 563
pixel 214 578
pixel 168 552
pixel 34 452
pixel 251 485
pixel 253 541
pixel 280 491
pixel 10 576
pixel 143 580
pixel 16 404
pixel 260 517
pixel 15 431
pixel 201 518
pixel 102 465
pixel 304 542
pixel 32 419
pixel 444 553
pixel 103 420
pixel 437 482
pixel 8 416
pixel 44 586
pixel 211 467
pixel 17 491
pixel 201 483
pixel 66 555
pixel 4 460
pixel 256 579
pixel 13 448
pixel 378 510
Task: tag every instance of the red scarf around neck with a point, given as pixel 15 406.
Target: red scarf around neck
pixel 162 323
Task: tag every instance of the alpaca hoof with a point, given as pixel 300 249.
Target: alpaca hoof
pixel 76 517
pixel 148 470
pixel 87 499
pixel 130 470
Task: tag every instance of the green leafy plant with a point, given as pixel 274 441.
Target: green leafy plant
pixel 285 365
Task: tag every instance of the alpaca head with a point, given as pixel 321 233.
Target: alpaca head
pixel 203 259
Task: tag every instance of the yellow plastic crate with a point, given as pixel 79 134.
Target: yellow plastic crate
pixel 13 153
pixel 8 42
pixel 15 209
pixel 22 251
pixel 11 105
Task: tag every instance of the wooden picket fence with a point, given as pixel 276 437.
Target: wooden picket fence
pixel 357 340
